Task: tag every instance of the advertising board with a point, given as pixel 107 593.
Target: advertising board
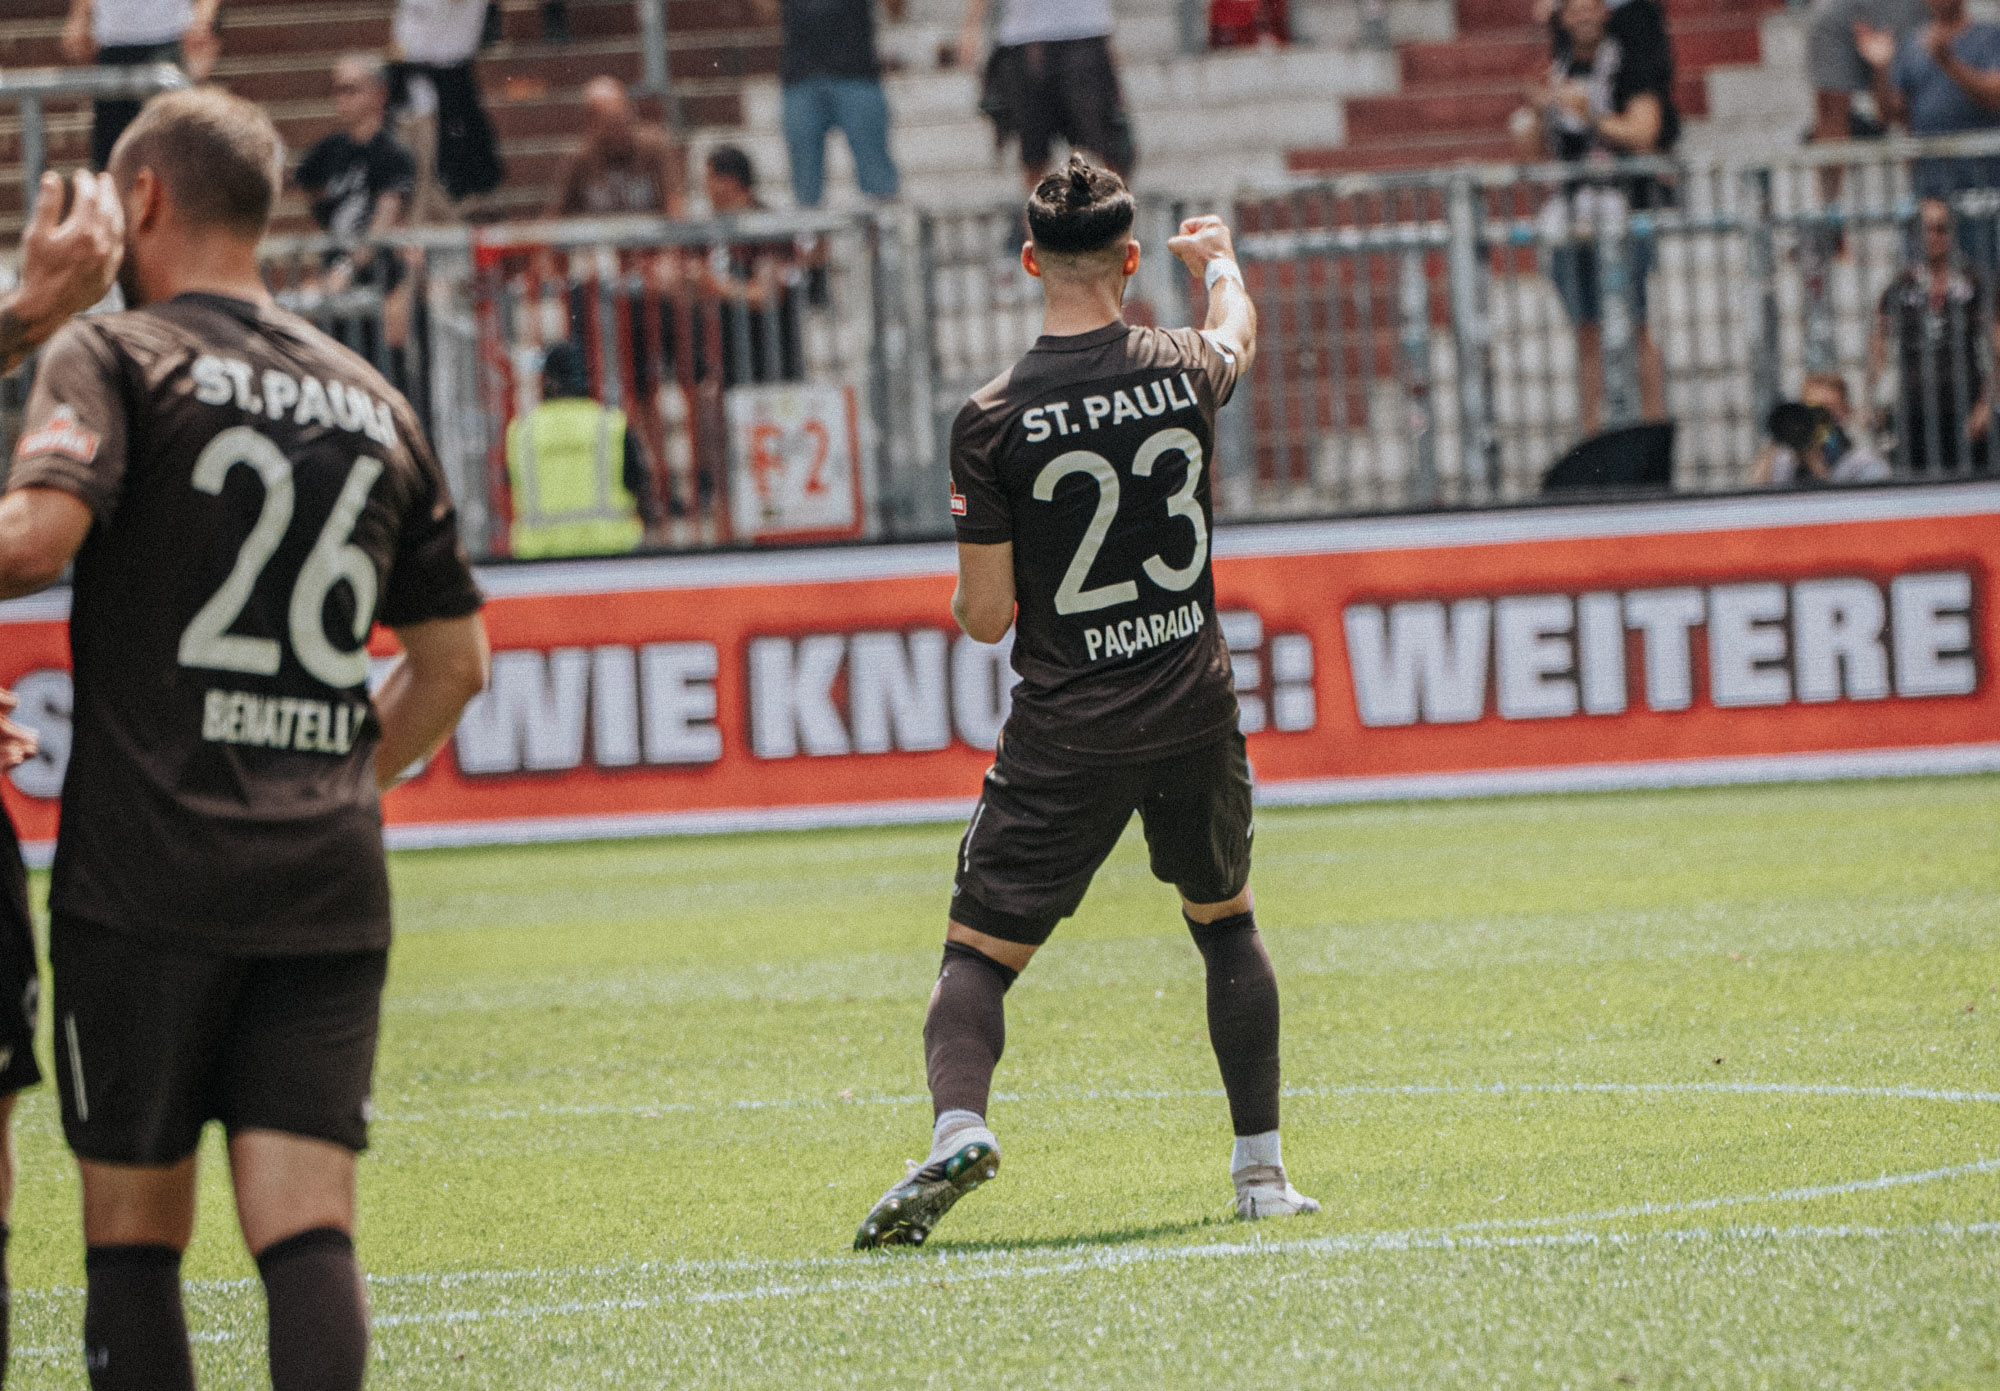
pixel 1816 635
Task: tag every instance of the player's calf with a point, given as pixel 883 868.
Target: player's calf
pixel 1243 1028
pixel 134 1331
pixel 965 1032
pixel 319 1312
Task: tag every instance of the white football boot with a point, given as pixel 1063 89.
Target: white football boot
pixel 1263 1191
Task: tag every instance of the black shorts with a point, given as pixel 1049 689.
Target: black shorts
pixel 1066 88
pixel 20 982
pixel 1043 825
pixel 154 1041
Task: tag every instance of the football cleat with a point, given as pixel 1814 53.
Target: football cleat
pixel 1263 1191
pixel 905 1214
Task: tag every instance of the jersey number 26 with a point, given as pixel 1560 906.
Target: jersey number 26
pixel 207 641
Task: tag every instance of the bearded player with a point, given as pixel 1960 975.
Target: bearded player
pixel 1080 484
pixel 243 499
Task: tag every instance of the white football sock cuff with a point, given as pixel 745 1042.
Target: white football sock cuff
pixel 1256 1149
pixel 956 1129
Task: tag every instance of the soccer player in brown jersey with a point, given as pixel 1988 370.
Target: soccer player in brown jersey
pixel 243 499
pixel 1080 484
pixel 67 264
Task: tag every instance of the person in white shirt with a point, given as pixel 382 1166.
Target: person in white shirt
pixel 1051 74
pixel 131 33
pixel 445 123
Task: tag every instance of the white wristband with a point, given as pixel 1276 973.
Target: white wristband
pixel 1220 268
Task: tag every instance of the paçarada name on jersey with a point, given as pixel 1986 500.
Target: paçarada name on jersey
pixel 1130 636
pixel 221 381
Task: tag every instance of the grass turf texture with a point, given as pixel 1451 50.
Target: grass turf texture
pixel 635 1097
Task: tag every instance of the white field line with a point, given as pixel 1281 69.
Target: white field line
pixel 928 1273
pixel 662 1108
pixel 986 1265
pixel 1121 1257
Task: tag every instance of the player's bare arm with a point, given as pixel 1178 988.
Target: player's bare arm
pixel 1205 246
pixel 41 530
pixel 972 33
pixel 67 263
pixel 444 665
pixel 984 601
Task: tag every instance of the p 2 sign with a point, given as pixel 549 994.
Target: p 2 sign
pixel 794 456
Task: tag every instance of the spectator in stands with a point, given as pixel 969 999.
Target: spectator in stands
pixel 1932 321
pixel 360 178
pixel 1810 443
pixel 132 33
pixel 1840 73
pixel 1051 75
pixel 1605 96
pixel 755 284
pixel 624 165
pixel 1942 79
pixel 833 80
pixel 567 500
pixel 445 125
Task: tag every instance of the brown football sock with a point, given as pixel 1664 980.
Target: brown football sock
pixel 966 1029
pixel 319 1312
pixel 134 1333
pixel 1242 1018
pixel 6 1301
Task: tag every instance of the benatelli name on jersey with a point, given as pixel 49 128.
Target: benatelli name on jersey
pixel 260 499
pixel 1092 456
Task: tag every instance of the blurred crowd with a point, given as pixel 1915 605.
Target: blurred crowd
pixel 413 144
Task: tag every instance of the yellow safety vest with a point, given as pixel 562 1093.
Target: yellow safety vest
pixel 566 466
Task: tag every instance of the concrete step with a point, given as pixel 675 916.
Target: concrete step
pixel 1523 54
pixel 1479 15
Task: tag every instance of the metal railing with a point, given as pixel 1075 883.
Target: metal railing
pixel 31 89
pixel 681 323
pixel 1421 342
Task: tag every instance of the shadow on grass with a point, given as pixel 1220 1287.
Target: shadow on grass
pixel 1116 1236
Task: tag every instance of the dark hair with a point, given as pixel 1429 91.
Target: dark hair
pixel 564 371
pixel 731 163
pixel 217 154
pixel 1795 425
pixel 1079 209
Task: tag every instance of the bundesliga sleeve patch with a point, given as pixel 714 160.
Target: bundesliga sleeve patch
pixel 957 501
pixel 63 435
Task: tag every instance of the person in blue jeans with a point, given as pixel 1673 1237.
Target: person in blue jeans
pixel 1943 79
pixel 833 80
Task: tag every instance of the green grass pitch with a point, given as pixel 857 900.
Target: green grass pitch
pixel 1691 1089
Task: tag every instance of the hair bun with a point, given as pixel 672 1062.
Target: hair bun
pixel 1080 189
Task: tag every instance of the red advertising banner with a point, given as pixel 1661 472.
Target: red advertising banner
pixel 1713 640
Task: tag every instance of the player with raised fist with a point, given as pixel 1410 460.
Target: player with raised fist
pixel 1080 489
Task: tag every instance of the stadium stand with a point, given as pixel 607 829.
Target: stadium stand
pixel 1206 123
pixel 1455 95
pixel 278 52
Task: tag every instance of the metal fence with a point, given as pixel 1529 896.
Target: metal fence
pixel 1441 339
pixel 1428 340
pixel 677 321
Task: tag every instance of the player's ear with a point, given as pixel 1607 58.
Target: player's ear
pixel 1028 261
pixel 1132 258
pixel 143 200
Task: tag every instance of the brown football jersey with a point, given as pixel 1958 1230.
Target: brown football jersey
pixel 1093 455
pixel 261 497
